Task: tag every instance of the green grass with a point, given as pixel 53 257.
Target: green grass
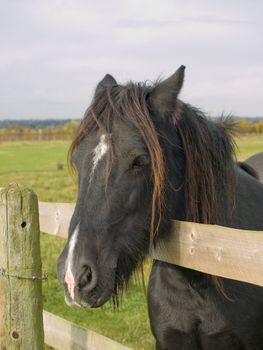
pixel 35 165
pixel 248 145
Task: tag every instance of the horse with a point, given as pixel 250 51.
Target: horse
pixel 143 158
pixel 249 169
pixel 256 162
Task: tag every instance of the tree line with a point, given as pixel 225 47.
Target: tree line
pixel 62 131
pixel 18 132
pixel 246 126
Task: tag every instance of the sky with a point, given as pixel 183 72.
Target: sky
pixel 53 52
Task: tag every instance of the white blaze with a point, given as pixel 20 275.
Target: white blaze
pixel 69 278
pixel 99 151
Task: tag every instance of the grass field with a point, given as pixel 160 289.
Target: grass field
pixel 248 145
pixel 35 165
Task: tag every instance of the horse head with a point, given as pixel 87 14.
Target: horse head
pixel 119 157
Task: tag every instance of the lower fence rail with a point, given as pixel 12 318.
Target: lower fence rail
pixel 65 335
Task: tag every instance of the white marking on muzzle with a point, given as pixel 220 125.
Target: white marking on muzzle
pixel 69 278
pixel 99 151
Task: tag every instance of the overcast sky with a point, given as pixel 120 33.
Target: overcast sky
pixel 53 53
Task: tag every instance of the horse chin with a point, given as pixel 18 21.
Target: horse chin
pixel 88 303
pixel 93 299
pixel 102 300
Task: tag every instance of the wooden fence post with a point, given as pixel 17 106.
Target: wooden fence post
pixel 21 323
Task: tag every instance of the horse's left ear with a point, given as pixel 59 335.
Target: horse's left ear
pixel 108 80
pixel 163 96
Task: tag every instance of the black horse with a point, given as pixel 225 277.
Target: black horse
pixel 256 162
pixel 144 157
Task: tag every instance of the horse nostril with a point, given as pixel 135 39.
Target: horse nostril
pixel 87 278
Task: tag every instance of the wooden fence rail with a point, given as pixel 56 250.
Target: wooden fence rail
pixel 65 335
pixel 216 250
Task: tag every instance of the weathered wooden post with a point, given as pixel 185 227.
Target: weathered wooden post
pixel 21 323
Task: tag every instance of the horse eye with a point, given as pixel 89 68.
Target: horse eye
pixel 140 162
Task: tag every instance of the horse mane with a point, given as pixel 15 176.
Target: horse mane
pixel 207 147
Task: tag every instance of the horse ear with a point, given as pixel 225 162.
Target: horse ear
pixel 163 96
pixel 107 81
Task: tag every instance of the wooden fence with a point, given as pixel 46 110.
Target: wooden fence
pixel 216 250
pixel 35 137
pixel 221 251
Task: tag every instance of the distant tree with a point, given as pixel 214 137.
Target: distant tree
pixel 245 126
pixel 259 127
pixel 71 127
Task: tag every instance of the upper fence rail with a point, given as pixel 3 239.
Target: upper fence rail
pixel 216 250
